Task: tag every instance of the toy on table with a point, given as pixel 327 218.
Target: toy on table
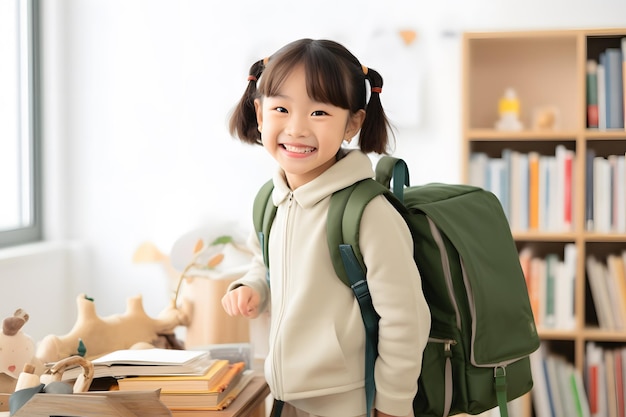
pixel 16 350
pixel 93 336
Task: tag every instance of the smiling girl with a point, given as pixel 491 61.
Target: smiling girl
pixel 302 104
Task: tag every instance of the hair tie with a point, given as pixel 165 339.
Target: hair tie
pixel 265 60
pixel 377 90
pixel 365 69
pixel 251 78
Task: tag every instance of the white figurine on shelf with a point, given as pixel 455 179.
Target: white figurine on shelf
pixel 508 108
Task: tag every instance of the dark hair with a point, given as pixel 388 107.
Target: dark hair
pixel 333 75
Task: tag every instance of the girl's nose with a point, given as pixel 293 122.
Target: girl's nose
pixel 297 126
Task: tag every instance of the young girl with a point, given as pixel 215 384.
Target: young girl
pixel 301 104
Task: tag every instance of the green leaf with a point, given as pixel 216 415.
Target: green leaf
pixel 222 240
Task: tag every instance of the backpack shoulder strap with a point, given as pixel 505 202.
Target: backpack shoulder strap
pixel 344 229
pixel 263 213
pixel 389 168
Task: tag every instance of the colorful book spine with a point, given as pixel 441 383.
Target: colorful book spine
pixel 601 93
pixel 567 188
pixel 591 154
pixel 533 191
pixel 614 89
pixel 592 94
pixel 623 47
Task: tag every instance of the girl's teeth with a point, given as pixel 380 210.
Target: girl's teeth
pixel 298 149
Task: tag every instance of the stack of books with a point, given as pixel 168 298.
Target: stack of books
pixel 186 380
pixel 214 390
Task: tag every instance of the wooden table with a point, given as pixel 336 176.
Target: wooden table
pixel 249 403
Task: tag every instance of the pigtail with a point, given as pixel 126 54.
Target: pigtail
pixel 374 135
pixel 243 123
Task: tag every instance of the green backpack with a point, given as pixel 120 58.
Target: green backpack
pixel 483 330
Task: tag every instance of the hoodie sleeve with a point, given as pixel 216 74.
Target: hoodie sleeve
pixel 395 286
pixel 255 278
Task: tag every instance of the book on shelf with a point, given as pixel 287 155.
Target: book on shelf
pixel 533 190
pixel 177 383
pixel 154 361
pixel 601 93
pixel 594 380
pixel 592 93
pixel 518 186
pixel 606 194
pixel 618 193
pixel 550 282
pixel 581 402
pixel 552 271
pixel 558 387
pixel 590 156
pixel 604 379
pixel 214 400
pixel 505 178
pixel 611 394
pixel 562 189
pixel 565 313
pixel 608 289
pixel 601 195
pixel 617 279
pixel 597 275
pixel 623 47
pixel 614 89
pixel 619 382
pixel 542 403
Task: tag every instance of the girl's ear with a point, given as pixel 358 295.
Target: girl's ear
pixel 355 121
pixel 258 108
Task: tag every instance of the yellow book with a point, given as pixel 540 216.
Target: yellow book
pixel 230 385
pixel 533 191
pixel 616 269
pixel 237 399
pixel 177 383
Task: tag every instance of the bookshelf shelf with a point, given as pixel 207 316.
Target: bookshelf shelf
pixel 548 70
pixel 558 334
pixel 544 237
pixel 603 335
pixel 591 135
pixel 495 135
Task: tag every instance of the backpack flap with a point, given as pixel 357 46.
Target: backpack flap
pixel 490 263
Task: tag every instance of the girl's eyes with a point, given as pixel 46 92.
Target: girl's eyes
pixel 315 113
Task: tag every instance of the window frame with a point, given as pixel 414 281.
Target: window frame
pixel 32 232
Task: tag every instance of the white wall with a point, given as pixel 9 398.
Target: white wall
pixel 137 95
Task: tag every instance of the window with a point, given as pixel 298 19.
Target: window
pixel 20 176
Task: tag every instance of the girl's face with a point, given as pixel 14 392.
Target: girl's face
pixel 303 135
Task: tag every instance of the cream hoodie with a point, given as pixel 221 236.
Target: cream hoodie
pixel 317 337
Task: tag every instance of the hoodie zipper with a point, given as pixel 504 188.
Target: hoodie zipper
pixel 276 370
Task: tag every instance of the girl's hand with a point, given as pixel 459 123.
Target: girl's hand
pixel 242 301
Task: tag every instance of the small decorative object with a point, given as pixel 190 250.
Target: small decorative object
pixel 509 110
pixel 209 262
pixel 546 118
pixel 201 265
pixel 17 349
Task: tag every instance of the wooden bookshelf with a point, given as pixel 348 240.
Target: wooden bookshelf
pixel 546 68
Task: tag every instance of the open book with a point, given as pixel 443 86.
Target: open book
pixel 131 362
